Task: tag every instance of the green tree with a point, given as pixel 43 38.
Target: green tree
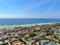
pixel 32 34
pixel 58 40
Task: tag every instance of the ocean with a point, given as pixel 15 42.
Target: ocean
pixel 22 21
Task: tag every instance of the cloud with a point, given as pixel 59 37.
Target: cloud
pixel 50 15
pixel 35 5
pixel 47 13
pixel 9 16
pixel 14 16
pixel 50 8
pixel 55 14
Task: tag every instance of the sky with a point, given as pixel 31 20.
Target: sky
pixel 29 8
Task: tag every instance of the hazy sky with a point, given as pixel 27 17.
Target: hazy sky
pixel 29 8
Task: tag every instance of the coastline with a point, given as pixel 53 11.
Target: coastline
pixel 27 25
pixel 47 30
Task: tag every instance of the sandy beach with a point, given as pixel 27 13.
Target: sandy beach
pixel 27 25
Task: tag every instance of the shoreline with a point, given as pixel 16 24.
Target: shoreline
pixel 27 25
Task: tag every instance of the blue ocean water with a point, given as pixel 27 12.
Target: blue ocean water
pixel 25 21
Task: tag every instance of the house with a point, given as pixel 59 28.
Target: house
pixel 18 43
pixel 44 42
pixel 1 37
pixel 49 37
pixel 21 32
pixel 1 42
pixel 6 41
